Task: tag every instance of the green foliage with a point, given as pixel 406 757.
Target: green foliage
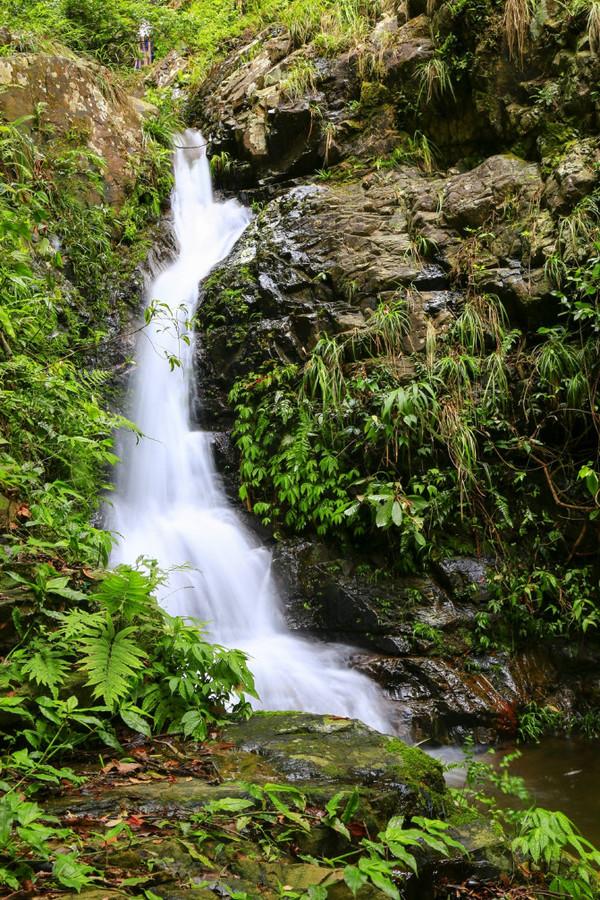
pixel 536 721
pixel 418 149
pixel 531 602
pixel 545 844
pixel 79 677
pixel 107 29
pixel 308 483
pixel 435 80
pixel 487 439
pixel 300 79
pixel 152 169
pixel 26 830
pixel 123 650
pixel 555 847
pixel 56 437
pixel 273 815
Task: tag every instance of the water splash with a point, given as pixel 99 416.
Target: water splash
pixel 170 505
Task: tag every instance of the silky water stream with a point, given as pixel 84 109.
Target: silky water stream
pixel 169 504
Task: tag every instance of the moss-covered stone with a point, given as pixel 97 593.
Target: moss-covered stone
pixel 322 755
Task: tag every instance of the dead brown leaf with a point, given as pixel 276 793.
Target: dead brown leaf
pixel 121 768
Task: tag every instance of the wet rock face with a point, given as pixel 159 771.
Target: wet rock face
pixel 318 258
pixel 466 577
pixel 279 112
pixel 575 176
pixel 471 199
pixel 78 97
pixel 415 636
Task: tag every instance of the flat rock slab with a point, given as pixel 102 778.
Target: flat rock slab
pixel 323 754
pixel 319 755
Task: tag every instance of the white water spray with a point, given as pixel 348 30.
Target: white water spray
pixel 170 506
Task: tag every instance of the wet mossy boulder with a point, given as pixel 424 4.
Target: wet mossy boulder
pixel 322 755
pixel 318 755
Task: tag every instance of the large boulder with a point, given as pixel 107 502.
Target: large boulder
pixel 471 199
pixel 323 754
pixel 67 95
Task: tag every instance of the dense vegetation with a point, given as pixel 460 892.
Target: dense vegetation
pixel 492 445
pixel 205 27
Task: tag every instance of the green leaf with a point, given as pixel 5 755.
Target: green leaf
pixel 46 667
pixel 9 879
pixel 59 587
pixel 135 721
pixel 317 892
pixel 194 724
pixel 228 804
pixel 70 872
pixel 397 514
pixel 112 662
pixel 354 878
pixel 384 511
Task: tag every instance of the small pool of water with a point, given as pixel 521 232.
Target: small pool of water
pixel 559 773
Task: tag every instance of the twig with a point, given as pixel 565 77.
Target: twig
pixel 173 749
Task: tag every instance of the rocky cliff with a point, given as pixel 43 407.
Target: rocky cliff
pixel 426 199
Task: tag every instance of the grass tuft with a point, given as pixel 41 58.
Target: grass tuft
pixel 516 21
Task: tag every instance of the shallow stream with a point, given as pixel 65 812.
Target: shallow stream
pixel 559 773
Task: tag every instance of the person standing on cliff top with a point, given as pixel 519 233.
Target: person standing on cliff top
pixel 146 48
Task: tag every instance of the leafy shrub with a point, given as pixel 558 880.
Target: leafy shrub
pixel 120 652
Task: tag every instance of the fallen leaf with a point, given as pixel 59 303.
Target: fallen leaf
pixel 135 821
pixel 357 829
pixel 121 768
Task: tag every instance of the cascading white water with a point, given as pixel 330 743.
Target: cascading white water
pixel 169 504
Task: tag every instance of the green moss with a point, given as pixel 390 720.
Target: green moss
pixel 373 94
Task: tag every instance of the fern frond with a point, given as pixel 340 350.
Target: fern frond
pixel 126 591
pixel 46 667
pixel 112 662
pixel 78 623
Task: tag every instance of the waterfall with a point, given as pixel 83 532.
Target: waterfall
pixel 169 504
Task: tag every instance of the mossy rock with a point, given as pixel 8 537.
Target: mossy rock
pixel 322 755
pixel 319 755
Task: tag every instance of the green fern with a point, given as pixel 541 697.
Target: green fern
pixel 112 661
pixel 46 667
pixel 127 592
pixel 77 624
